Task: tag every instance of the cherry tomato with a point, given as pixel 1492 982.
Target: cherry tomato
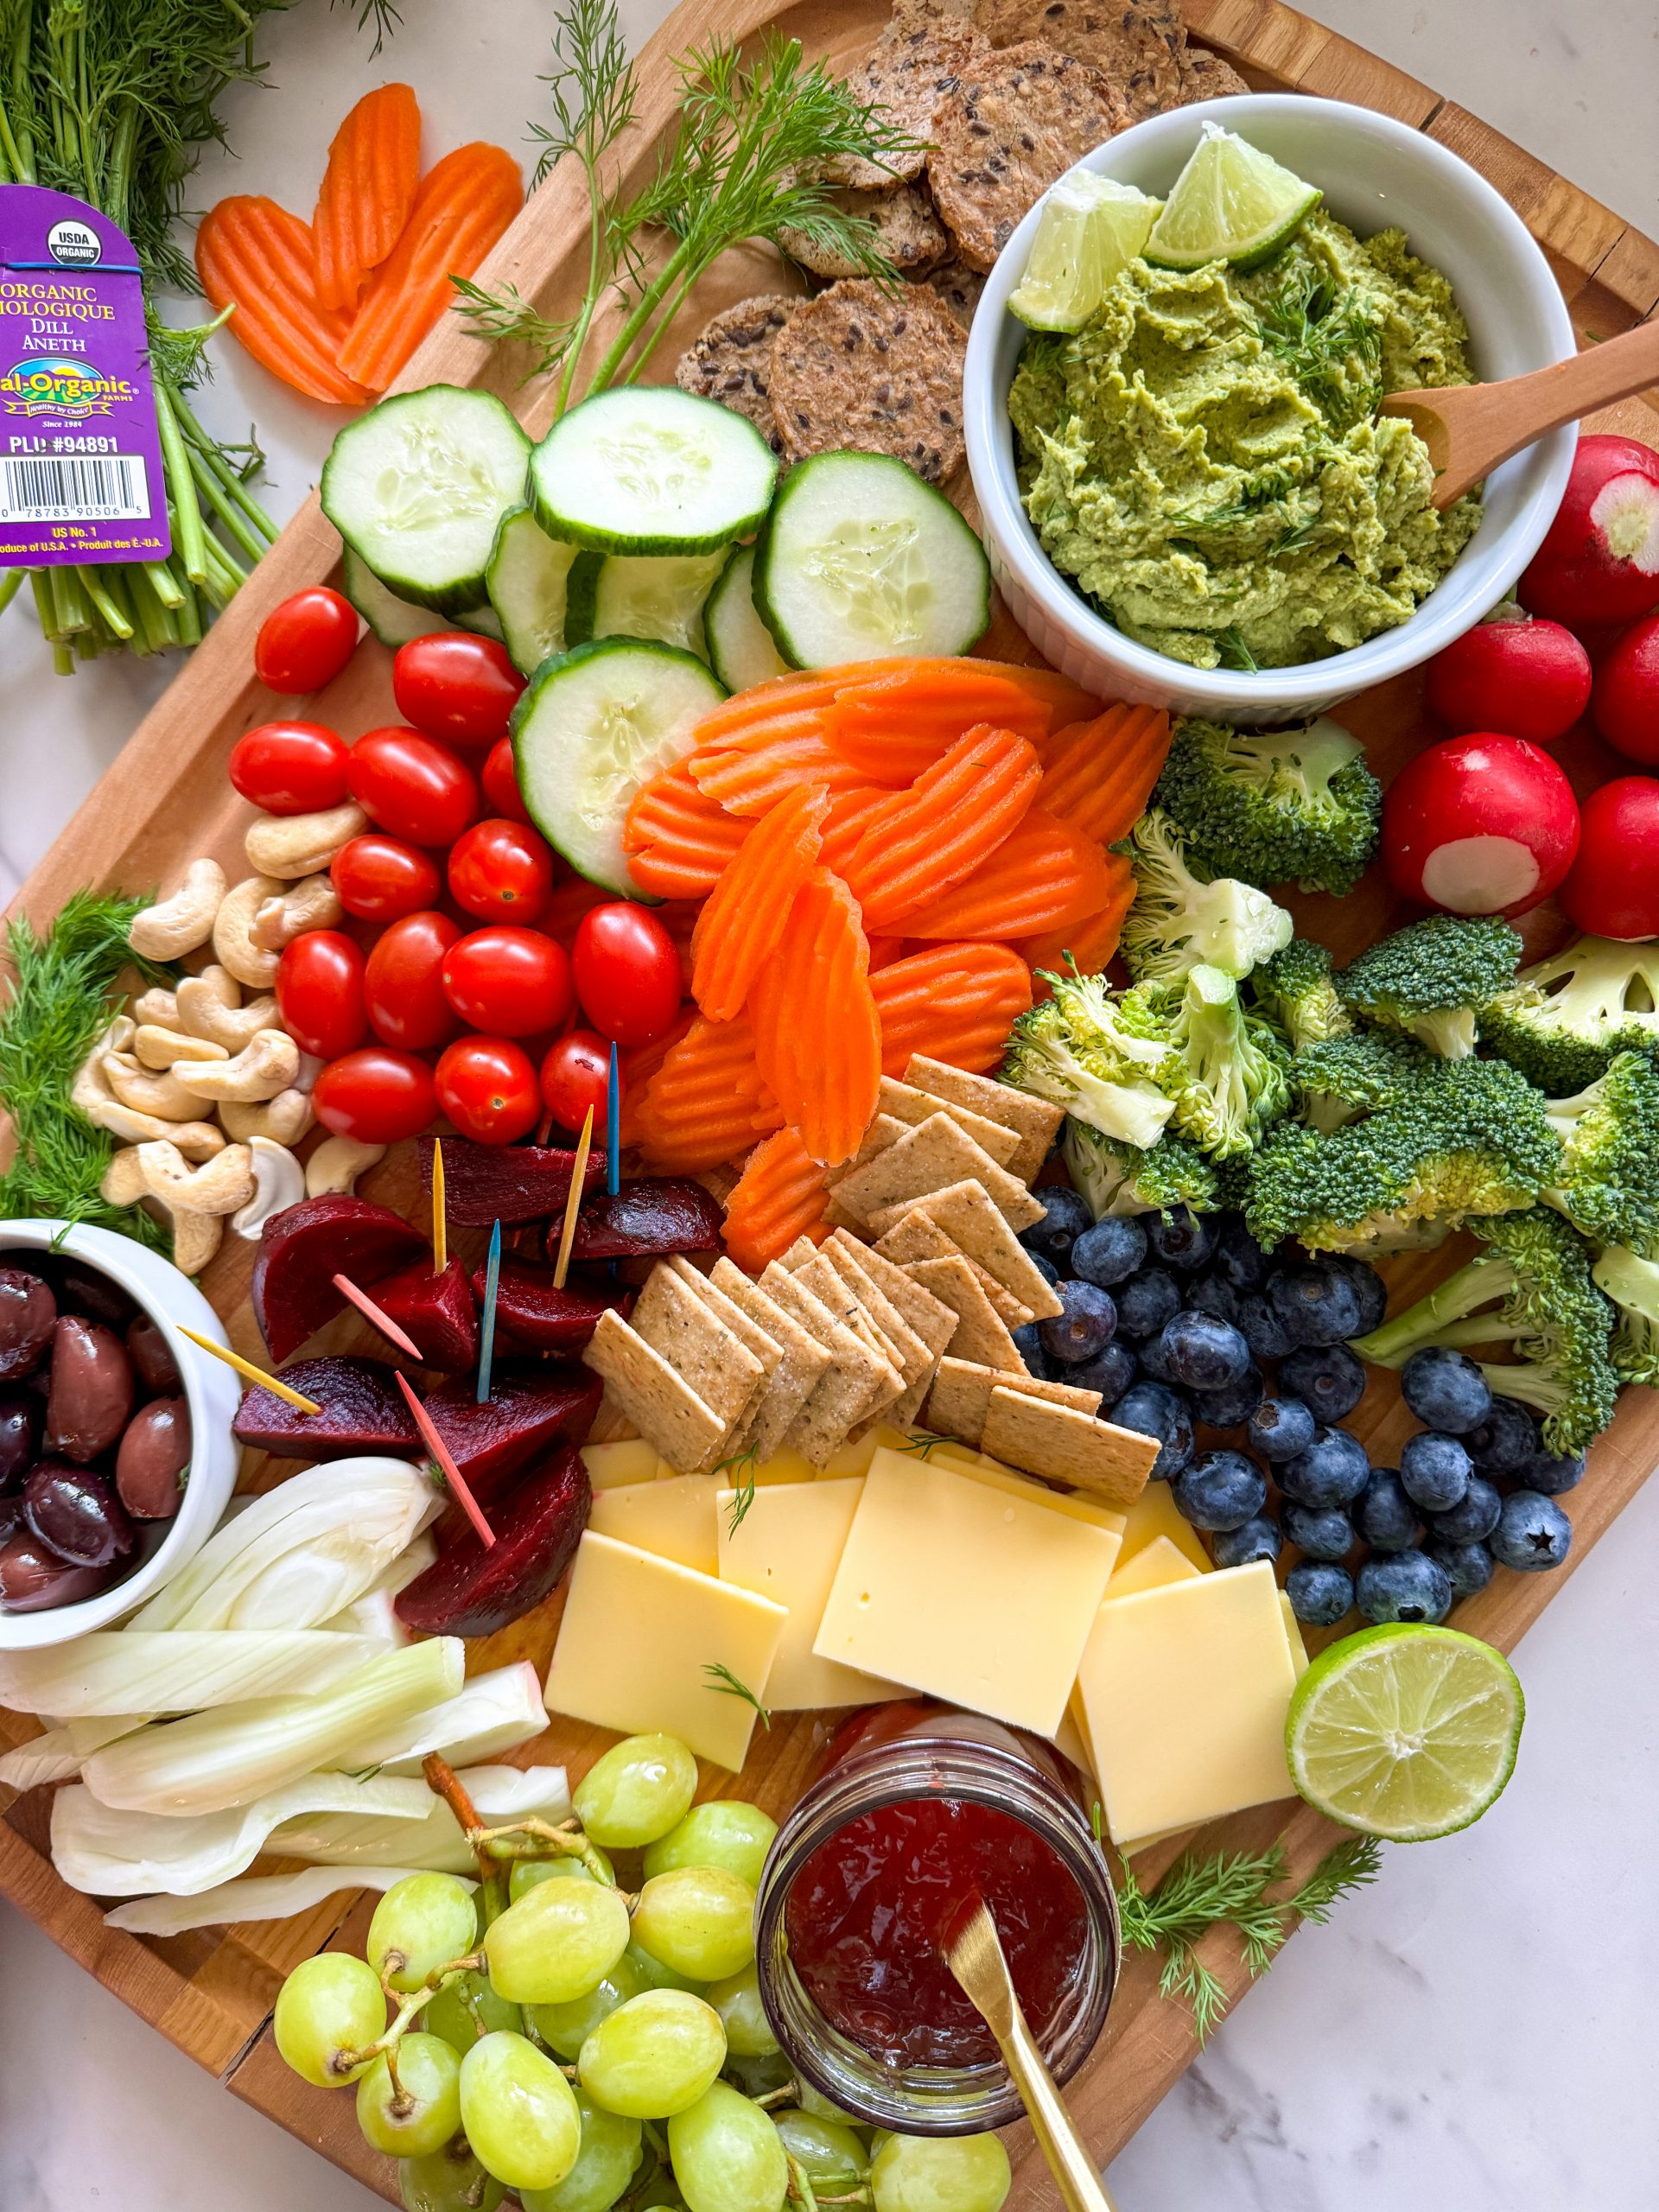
pixel 290 767
pixel 500 779
pixel 501 871
pixel 379 878
pixel 455 685
pixel 509 982
pixel 627 971
pixel 304 643
pixel 375 1096
pixel 576 1075
pixel 412 787
pixel 320 993
pixel 403 983
pixel 486 1085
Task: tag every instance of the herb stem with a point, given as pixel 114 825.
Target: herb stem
pixel 648 300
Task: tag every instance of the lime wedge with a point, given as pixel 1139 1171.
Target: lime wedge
pixel 1089 228
pixel 1230 203
pixel 1405 1731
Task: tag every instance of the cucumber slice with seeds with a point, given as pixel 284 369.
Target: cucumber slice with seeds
pixel 652 470
pixel 657 596
pixel 393 620
pixel 740 647
pixel 527 577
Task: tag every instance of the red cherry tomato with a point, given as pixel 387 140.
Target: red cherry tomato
pixel 379 878
pixel 320 993
pixel 501 871
pixel 403 983
pixel 412 787
pixel 375 1096
pixel 304 643
pixel 627 971
pixel 1613 888
pixel 500 780
pixel 486 1085
pixel 509 982
pixel 455 685
pixel 576 1075
pixel 290 767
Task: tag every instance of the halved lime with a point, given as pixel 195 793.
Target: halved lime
pixel 1405 1731
pixel 1089 229
pixel 1230 203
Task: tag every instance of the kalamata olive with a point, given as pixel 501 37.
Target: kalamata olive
pixel 20 1437
pixel 152 1356
pixel 84 1290
pixel 77 1514
pixel 28 1311
pixel 11 1518
pixel 31 1579
pixel 154 1453
pixel 92 1389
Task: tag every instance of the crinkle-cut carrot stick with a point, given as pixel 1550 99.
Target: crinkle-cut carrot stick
pixel 779 1196
pixel 810 687
pixel 464 203
pixel 750 772
pixel 1098 775
pixel 850 815
pixel 884 951
pixel 817 1037
pixel 368 189
pixel 1090 942
pixel 951 819
pixel 742 920
pixel 253 256
pixel 1043 876
pixel 679 843
pixel 636 1068
pixel 706 1103
pixel 679 917
pixel 952 1002
pixel 892 725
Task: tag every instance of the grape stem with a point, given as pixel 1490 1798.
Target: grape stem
pixel 789 2094
pixel 442 1780
pixel 568 1841
pixel 416 2002
pixel 401 2103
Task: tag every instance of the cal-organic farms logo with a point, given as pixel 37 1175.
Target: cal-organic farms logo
pixel 45 385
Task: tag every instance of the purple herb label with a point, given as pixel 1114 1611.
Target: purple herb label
pixel 80 454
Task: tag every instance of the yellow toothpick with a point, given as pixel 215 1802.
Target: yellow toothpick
pixel 246 1369
pixel 573 1203
pixel 440 1227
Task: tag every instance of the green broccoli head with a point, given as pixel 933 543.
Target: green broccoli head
pixel 1274 806
pixel 1230 1070
pixel 1609 1184
pixel 1074 1049
pixel 1181 918
pixel 1567 1018
pixel 1632 1283
pixel 1296 987
pixel 1341 1077
pixel 1433 978
pixel 1119 1179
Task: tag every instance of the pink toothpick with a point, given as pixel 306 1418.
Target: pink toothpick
pixel 440 1450
pixel 367 1306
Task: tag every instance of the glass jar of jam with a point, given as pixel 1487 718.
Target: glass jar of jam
pixel 918 1810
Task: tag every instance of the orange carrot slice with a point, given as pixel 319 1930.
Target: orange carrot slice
pixel 679 843
pixel 1042 876
pixel 818 1037
pixel 465 202
pixel 750 772
pixel 892 725
pixel 1090 942
pixel 707 1103
pixel 253 256
pixel 850 815
pixel 953 1002
pixel 368 188
pixel 779 1196
pixel 1098 775
pixel 743 920
pixel 951 819
pixel 812 687
pixel 636 1068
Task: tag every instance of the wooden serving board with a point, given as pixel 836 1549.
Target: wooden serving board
pixel 167 799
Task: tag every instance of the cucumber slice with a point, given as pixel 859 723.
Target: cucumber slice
pixel 393 620
pixel 657 596
pixel 740 647
pixel 652 470
pixel 527 574
pixel 859 560
pixel 591 727
pixel 417 486
pixel 483 622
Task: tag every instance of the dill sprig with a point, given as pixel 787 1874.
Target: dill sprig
pixel 1233 650
pixel 741 1468
pixel 727 1684
pixel 1331 345
pixel 381 13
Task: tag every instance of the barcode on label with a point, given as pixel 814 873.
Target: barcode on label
pixel 73 487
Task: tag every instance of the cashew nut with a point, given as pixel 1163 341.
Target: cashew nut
pixel 278 1183
pixel 92 1094
pixel 196 1236
pixel 210 1005
pixel 157 1005
pixel 260 1070
pixel 181 922
pixel 148 1091
pixel 124 1179
pixel 284 1119
pixel 158 1047
pixel 300 844
pixel 312 903
pixel 248 963
pixel 220 1187
pixel 337 1163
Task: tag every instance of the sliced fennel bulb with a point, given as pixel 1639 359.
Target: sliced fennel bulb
pixel 262 1897
pixel 493 1714
pixel 499 1794
pixel 113 1671
pixel 51 1758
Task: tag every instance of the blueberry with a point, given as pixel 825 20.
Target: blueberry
pixel 1110 1372
pixel 1086 1323
pixel 1152 1409
pixel 1472 1519
pixel 1550 1476
pixel 1367 1288
pixel 1213 1293
pixel 1155 1360
pixel 1533 1533
pixel 1469 1568
pixel 1445 1390
pixel 1046 1267
pixel 1223 1490
pixel 1028 1342
pixel 1320 1594
pixel 1505 1440
pixel 1327 1378
pixel 1321 1532
pixel 1261 1328
pixel 1066 1215
pixel 1203 1353
pixel 1146 1302
pixel 1331 1471
pixel 1182 1239
pixel 1239 1260
pixel 1281 1427
pixel 1111 1251
pixel 1316 1304
pixel 1257 1539
pixel 1435 1470
pixel 1405 1585
pixel 1230 1405
pixel 1383 1514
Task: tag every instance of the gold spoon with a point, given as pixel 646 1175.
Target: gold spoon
pixel 974 1956
pixel 1470 428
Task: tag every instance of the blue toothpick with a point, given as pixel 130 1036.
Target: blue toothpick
pixel 614 1134
pixel 487 1335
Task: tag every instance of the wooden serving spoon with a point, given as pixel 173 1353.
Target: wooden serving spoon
pixel 1470 428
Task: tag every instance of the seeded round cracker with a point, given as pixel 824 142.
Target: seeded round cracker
pixel 877 373
pixel 1138 46
pixel 906 230
pixel 958 288
pixel 729 359
pixel 918 56
pixel 1205 76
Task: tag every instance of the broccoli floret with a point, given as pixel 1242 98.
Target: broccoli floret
pixel 1119 1179
pixel 1180 917
pixel 1609 1185
pixel 1074 1048
pixel 1340 1078
pixel 1230 1074
pixel 1433 978
pixel 1296 987
pixel 1633 1285
pixel 1567 1017
pixel 1274 806
pixel 1531 1289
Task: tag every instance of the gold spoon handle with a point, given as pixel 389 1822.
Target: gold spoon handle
pixel 1068 2157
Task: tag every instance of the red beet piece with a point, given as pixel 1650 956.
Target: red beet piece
pixel 529 1311
pixel 363 1410
pixel 656 1215
pixel 532 1407
pixel 472 1590
pixel 304 1247
pixel 436 1310
pixel 486 1183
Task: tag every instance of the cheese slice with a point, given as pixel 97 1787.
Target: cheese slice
pixel 1293 1635
pixel 674 1519
pixel 785 1465
pixel 1070 1742
pixel 636 1643
pixel 854 1457
pixel 1150 1568
pixel 1155 1513
pixel 611 1466
pixel 787 1546
pixel 983 1469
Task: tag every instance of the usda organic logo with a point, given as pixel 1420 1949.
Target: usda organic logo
pixel 74 245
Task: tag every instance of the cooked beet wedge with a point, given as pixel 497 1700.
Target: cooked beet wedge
pixel 363 1410
pixel 302 1248
pixel 530 1311
pixel 435 1311
pixel 471 1590
pixel 486 1183
pixel 658 1214
pixel 531 1408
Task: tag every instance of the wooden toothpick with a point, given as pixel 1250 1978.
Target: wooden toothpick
pixel 572 1202
pixel 250 1373
pixel 381 1320
pixel 452 1474
pixel 440 1226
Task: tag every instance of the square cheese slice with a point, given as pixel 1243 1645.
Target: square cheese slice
pixel 637 1638
pixel 673 1519
pixel 1185 1690
pixel 1154 1514
pixel 972 1586
pixel 611 1466
pixel 787 1546
pixel 1150 1568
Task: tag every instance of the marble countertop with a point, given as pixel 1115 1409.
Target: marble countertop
pixel 1472 2031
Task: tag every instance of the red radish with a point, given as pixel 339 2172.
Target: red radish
pixel 1482 824
pixel 1626 702
pixel 1613 888
pixel 1528 679
pixel 1599 564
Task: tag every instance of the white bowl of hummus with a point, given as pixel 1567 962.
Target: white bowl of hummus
pixel 1182 508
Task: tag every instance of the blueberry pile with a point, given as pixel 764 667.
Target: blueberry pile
pixel 1175 1319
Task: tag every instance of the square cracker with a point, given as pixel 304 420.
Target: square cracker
pixel 915 1236
pixel 933 1320
pixel 887 1128
pixel 849 1383
pixel 754 1338
pixel 968 1219
pixel 697 1344
pixel 928 1157
pixel 799 1372
pixel 915 1361
pixel 662 1405
pixel 902 1101
pixel 980 1333
pixel 840 1298
pixel 1064 1446
pixel 961 1396
pixel 1034 1120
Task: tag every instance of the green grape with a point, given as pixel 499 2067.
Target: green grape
pixel 699 1920
pixel 727 2155
pixel 659 2191
pixel 566 2027
pixel 428 2083
pixel 827 2149
pixel 450 2180
pixel 657 1976
pixel 527 1872
pixel 737 2000
pixel 759 2077
pixel 727 1833
pixel 466 2009
pixel 331 2003
pixel 934 2173
pixel 519 2112
pixel 421 1924
pixel 555 1943
pixel 636 1792
pixel 654 2056
pixel 821 2108
pixel 607 2161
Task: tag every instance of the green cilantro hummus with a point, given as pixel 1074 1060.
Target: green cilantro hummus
pixel 1205 460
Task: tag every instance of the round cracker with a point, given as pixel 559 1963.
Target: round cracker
pixel 873 372
pixel 918 57
pixel 959 288
pixel 1206 76
pixel 730 357
pixel 906 230
pixel 1138 46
